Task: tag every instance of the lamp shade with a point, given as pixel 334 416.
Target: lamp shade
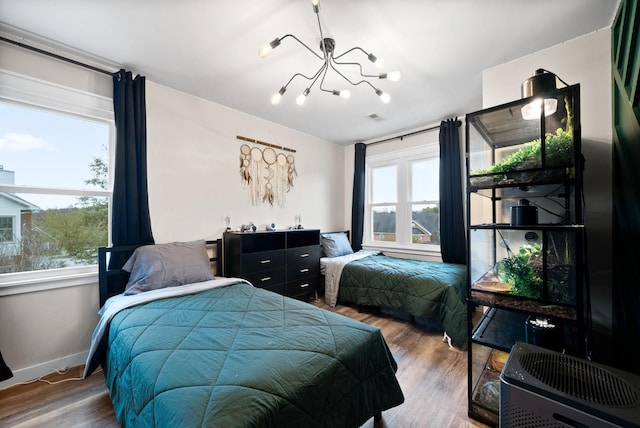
pixel 541 83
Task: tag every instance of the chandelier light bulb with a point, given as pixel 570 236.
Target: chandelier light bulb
pixel 275 98
pixel 394 76
pixel 264 51
pixel 302 97
pixel 315 2
pixel 345 93
pixel 384 97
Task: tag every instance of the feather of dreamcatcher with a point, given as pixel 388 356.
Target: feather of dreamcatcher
pixel 255 170
pixel 281 178
pixel 291 171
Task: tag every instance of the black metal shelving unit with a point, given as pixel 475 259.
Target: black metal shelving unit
pixel 529 268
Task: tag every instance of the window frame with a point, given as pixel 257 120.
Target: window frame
pixel 30 92
pixel 403 159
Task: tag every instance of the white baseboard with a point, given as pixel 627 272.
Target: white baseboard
pixel 34 372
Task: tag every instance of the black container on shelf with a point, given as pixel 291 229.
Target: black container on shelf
pixel 544 332
pixel 524 214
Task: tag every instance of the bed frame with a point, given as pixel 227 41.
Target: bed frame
pixel 112 281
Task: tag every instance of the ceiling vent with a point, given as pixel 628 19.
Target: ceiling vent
pixel 375 117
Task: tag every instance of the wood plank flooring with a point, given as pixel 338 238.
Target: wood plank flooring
pixel 433 378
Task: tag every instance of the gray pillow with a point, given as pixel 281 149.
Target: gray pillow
pixel 335 244
pixel 167 265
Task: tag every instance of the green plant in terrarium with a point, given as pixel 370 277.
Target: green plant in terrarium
pixel 517 271
pixel 558 152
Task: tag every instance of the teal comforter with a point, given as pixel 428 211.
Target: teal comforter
pixel 431 290
pixel 239 356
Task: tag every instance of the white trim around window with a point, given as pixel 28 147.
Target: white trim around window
pixel 30 91
pixel 402 160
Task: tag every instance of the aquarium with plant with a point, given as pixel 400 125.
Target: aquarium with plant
pixel 523 271
pixel 558 153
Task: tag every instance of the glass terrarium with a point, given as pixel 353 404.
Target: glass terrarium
pixel 533 264
pixel 529 140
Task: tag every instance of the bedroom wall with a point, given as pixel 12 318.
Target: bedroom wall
pixel 194 181
pixel 193 170
pixel 585 60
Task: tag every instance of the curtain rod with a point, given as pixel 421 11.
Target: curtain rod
pixel 400 137
pixel 56 56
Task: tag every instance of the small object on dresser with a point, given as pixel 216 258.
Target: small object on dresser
pixel 250 227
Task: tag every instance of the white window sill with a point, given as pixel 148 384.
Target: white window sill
pixel 28 282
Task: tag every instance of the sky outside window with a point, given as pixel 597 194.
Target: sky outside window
pixel 47 149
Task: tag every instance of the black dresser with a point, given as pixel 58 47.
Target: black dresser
pixel 286 262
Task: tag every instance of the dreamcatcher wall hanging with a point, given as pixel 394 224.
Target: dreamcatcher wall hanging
pixel 267 174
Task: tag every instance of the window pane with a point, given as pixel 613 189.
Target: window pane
pixel 425 180
pixel 6 229
pixel 384 187
pixel 425 224
pixel 44 149
pixel 57 237
pixel 50 149
pixel 384 223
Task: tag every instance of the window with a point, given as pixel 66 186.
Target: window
pixel 402 209
pixel 54 178
pixel 6 229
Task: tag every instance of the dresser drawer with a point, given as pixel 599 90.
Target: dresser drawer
pixel 265 260
pixel 303 256
pixel 302 286
pixel 266 279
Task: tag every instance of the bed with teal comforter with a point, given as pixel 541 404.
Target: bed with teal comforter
pixel 433 291
pixel 240 356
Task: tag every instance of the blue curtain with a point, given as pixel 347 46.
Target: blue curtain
pixel 131 224
pixel 5 371
pixel 453 244
pixel 357 205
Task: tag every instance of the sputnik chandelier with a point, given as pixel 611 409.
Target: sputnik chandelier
pixel 329 61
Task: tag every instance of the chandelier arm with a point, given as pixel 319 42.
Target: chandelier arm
pixel 349 80
pixel 321 35
pixel 353 63
pixel 324 74
pixel 322 69
pixel 353 49
pixel 303 44
pixel 314 77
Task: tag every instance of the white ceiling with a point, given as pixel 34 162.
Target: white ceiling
pixel 209 48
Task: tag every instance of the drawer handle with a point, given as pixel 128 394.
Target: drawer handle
pixel 266 278
pixel 304 285
pixel 304 270
pixel 265 261
pixel 304 255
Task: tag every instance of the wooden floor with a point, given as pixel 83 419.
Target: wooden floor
pixel 433 378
